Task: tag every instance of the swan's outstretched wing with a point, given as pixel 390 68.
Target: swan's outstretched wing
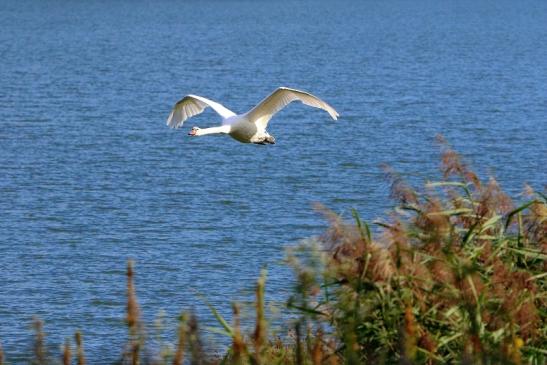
pixel 263 112
pixel 192 105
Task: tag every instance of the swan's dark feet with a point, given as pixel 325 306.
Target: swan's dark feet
pixel 266 140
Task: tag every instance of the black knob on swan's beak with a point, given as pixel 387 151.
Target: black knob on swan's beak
pixel 193 131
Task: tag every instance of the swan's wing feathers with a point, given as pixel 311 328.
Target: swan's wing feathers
pixel 184 109
pixel 280 98
pixel 192 105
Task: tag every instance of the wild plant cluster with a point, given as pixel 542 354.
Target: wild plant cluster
pixel 456 274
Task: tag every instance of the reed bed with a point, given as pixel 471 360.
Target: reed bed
pixel 457 274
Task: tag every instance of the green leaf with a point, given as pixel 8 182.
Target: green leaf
pixel 534 349
pixel 218 316
pixel 538 276
pixel 515 211
pixel 446 340
pixel 445 183
pixel 364 229
pixel 529 253
pixel 451 311
pixel 489 223
pixel 464 186
pixel 306 310
pixel 452 212
pixel 411 208
pixel 470 234
pixel 382 224
pixel 218 331
pixel 430 354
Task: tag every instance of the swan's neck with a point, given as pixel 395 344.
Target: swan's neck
pixel 224 129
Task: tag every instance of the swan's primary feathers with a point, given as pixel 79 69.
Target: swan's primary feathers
pixel 249 127
pixel 280 98
pixel 192 105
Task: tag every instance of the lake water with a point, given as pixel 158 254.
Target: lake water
pixel 90 175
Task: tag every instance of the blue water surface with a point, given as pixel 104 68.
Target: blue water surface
pixel 90 175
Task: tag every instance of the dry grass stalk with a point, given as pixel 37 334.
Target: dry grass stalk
pixel 409 335
pixel 317 350
pixel 133 312
pixel 298 351
pixel 40 356
pixel 179 354
pixel 239 348
pixel 260 333
pixel 80 356
pixel 133 317
pixel 194 341
pixel 67 356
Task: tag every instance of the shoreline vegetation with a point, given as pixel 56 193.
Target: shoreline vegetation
pixel 457 274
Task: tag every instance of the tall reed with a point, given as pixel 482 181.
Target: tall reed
pixel 457 274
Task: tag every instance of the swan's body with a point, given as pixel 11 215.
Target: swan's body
pixel 249 127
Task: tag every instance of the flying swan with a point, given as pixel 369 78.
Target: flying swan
pixel 249 127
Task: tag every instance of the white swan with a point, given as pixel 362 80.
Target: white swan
pixel 249 127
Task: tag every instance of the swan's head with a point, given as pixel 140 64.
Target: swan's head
pixel 194 131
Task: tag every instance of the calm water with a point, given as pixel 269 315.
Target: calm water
pixel 90 175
